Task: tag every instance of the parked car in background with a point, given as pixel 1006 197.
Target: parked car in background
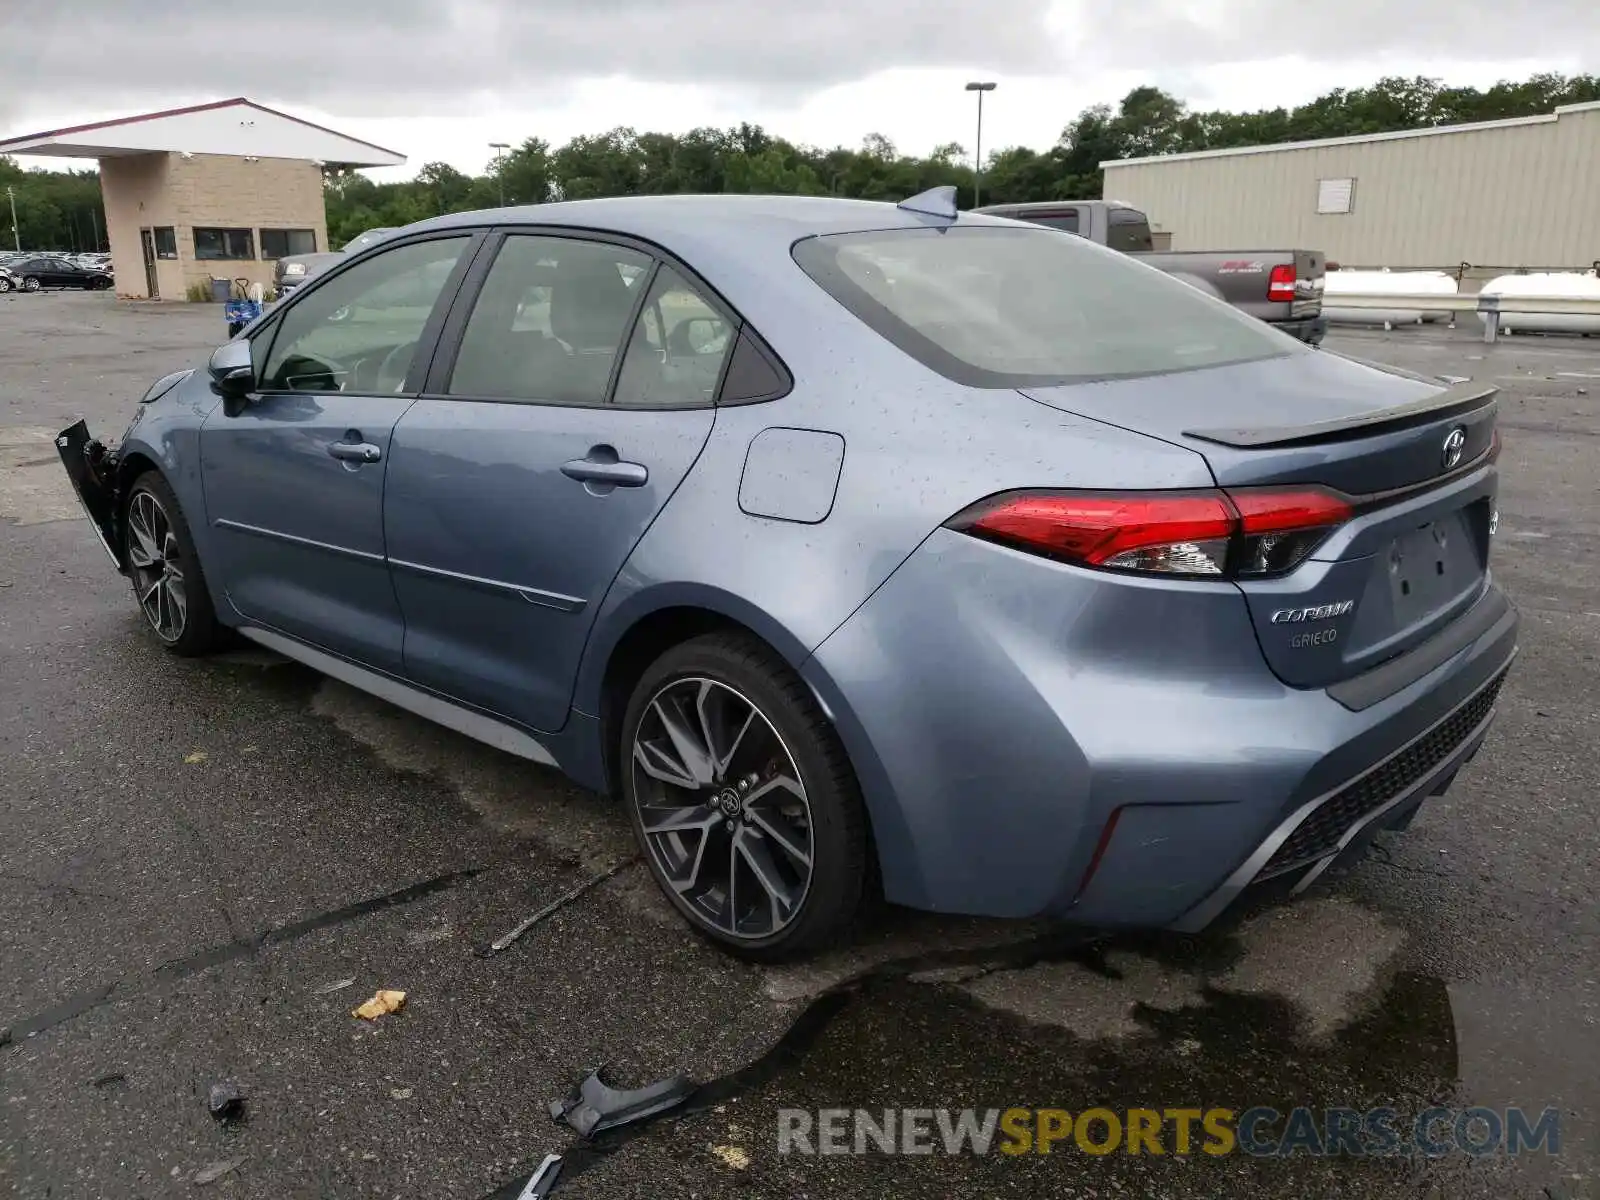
pixel 8 280
pixel 51 271
pixel 1281 287
pixel 292 271
pixel 845 541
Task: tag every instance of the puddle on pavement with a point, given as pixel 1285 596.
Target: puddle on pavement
pixel 1298 1007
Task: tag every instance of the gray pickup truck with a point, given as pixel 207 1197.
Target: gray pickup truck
pixel 1282 287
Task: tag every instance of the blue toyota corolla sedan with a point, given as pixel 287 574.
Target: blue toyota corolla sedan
pixel 850 545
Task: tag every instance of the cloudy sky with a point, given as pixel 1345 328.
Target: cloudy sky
pixel 439 79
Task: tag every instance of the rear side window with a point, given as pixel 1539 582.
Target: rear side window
pixel 996 307
pixel 1128 230
pixel 550 321
pixel 679 344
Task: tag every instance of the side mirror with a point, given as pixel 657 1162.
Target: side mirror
pixel 233 377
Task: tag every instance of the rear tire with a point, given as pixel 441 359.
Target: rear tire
pixel 168 582
pixel 742 799
pixel 30 283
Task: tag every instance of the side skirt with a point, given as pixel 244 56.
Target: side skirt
pixel 473 724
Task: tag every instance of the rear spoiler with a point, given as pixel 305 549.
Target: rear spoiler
pixel 1456 399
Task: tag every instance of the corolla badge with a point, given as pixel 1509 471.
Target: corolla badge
pixel 1320 612
pixel 1454 443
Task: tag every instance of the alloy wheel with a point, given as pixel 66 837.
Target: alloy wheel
pixel 30 284
pixel 157 567
pixel 723 809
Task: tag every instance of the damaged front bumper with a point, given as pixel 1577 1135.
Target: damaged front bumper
pixel 92 469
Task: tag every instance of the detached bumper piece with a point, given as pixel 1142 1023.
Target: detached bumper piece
pixel 92 470
pixel 592 1107
pixel 1322 831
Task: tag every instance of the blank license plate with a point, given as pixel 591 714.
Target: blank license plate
pixel 1429 567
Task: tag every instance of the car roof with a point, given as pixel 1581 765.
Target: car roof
pixel 1048 205
pixel 671 220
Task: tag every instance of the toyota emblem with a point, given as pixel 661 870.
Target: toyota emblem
pixel 1454 443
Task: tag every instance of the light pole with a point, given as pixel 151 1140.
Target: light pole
pixel 977 154
pixel 16 235
pixel 500 149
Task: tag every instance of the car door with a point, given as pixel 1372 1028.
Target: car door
pixel 556 425
pixel 294 479
pixel 58 274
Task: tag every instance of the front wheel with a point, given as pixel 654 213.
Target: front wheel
pixel 165 570
pixel 5 285
pixel 30 283
pixel 742 799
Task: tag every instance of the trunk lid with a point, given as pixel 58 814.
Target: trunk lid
pixel 1412 453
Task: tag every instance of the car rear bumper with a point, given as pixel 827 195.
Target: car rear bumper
pixel 1036 739
pixel 1307 329
pixel 1322 830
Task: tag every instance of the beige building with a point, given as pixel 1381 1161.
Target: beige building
pixel 216 191
pixel 1522 193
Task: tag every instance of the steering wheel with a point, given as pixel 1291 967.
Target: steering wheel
pixel 393 369
pixel 320 367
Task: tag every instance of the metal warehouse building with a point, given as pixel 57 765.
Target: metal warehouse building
pixel 1521 193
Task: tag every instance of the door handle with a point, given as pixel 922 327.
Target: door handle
pixel 603 466
pixel 360 452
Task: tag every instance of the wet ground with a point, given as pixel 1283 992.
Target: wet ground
pixel 194 856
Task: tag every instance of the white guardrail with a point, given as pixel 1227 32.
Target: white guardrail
pixel 1490 307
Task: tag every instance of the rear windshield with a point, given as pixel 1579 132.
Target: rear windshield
pixel 1066 221
pixel 998 307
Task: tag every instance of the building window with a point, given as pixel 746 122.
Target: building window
pixel 281 243
pixel 1336 195
pixel 213 244
pixel 166 239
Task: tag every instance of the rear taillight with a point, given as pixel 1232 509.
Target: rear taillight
pixel 1246 533
pixel 1277 529
pixel 1281 284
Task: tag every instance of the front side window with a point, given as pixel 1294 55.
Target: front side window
pixel 550 321
pixel 1004 308
pixel 281 243
pixel 223 244
pixel 678 346
pixel 357 331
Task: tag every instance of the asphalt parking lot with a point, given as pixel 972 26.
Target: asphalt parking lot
pixel 193 854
